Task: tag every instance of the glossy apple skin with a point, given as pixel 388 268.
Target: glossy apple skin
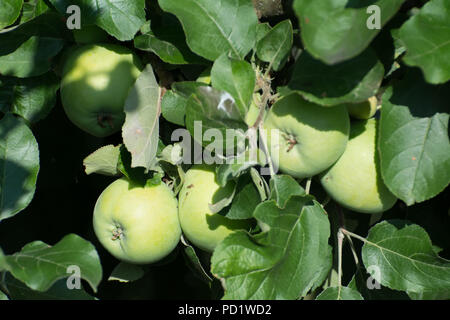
pixel 95 84
pixel 147 217
pixel 200 226
pixel 354 181
pixel 320 135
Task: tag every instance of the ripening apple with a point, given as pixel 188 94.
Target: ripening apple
pixel 137 224
pixel 355 181
pixel 95 84
pixel 310 137
pixel 364 110
pixel 200 226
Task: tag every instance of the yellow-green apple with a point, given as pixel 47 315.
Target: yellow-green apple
pixel 95 84
pixel 304 138
pixel 137 224
pixel 200 225
pixel 355 181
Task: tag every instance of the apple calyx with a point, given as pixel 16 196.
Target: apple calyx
pixel 105 119
pixel 117 234
pixel 291 140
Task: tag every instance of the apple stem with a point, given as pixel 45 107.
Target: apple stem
pixel 308 185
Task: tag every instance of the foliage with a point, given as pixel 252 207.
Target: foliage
pixel 302 244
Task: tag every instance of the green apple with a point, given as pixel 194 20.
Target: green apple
pixel 354 181
pixel 200 226
pixel 90 34
pixel 136 224
pixel 308 138
pixel 364 110
pixel 95 84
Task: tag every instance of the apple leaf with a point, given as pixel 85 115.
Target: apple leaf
pixel 194 262
pixel 235 77
pixel 32 58
pixel 173 104
pixel 276 44
pixel 32 9
pixel 19 165
pixel 173 107
pixel 216 27
pixel 355 80
pixel 31 98
pixel 404 255
pixel 39 265
pixel 337 30
pixel 261 30
pixel 339 293
pixel 141 128
pixel 166 39
pixel 245 200
pixel 103 161
pixel 165 50
pixel 283 187
pixel 126 272
pixel 413 141
pixel 59 291
pixel 260 183
pixel 286 262
pixel 9 12
pixel 210 108
pixel 426 37
pixel 121 19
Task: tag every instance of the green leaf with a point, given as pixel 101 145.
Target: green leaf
pixel 173 107
pixel 234 168
pixel 260 183
pixel 261 30
pixel 413 140
pixel 103 161
pixel 354 81
pixel 235 77
pixel 9 12
pixel 339 293
pixel 126 272
pixel 404 255
pixel 31 98
pixel 59 291
pixel 32 9
pixel 165 38
pixel 336 30
pixel 32 58
pixel 245 200
pixel 121 19
pixel 283 187
pixel 275 46
pixel 39 265
pixel 214 109
pixel 288 261
pixel 19 166
pixel 194 262
pixel 141 128
pixel 426 37
pixel 173 104
pixel 136 175
pixel 216 27
pixel 165 50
